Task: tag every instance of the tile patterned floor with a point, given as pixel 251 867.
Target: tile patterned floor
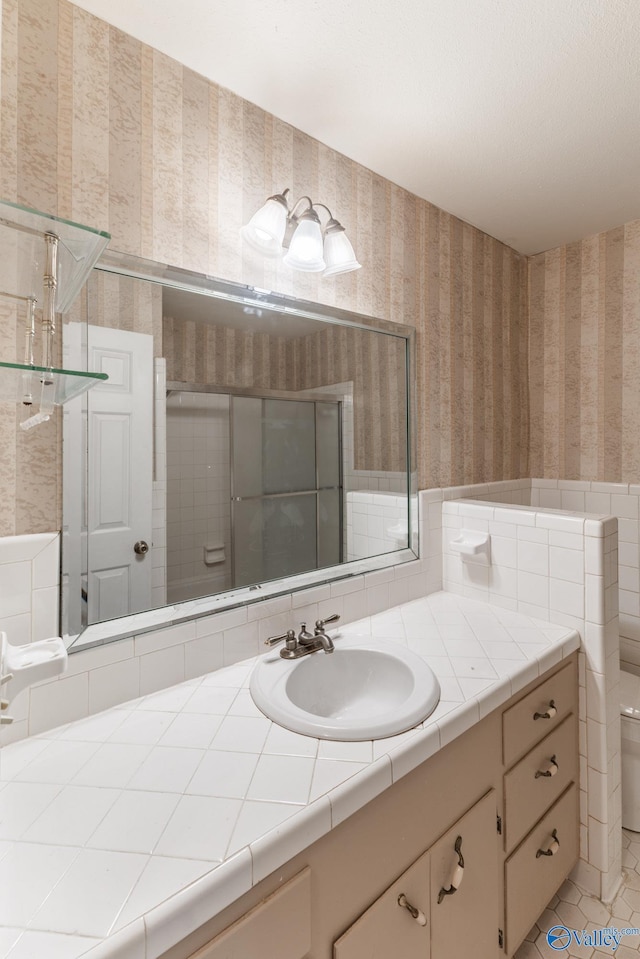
pixel 578 910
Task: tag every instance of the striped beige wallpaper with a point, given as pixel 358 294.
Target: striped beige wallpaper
pixel 203 353
pixel 373 362
pixel 585 349
pixel 100 128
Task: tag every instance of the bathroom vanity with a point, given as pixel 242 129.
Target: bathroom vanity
pixel 482 798
pixel 494 813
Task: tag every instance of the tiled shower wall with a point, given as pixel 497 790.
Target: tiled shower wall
pixel 97 127
pixel 198 495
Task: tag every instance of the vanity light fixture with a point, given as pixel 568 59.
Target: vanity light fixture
pixel 310 246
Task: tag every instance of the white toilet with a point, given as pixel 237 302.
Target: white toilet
pixel 630 724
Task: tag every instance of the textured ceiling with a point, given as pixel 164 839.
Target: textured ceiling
pixel 520 116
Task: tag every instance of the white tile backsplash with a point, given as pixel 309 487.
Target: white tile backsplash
pixel 15 587
pixel 113 684
pixel 63 701
pixel 29 611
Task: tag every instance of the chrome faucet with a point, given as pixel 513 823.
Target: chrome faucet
pixel 305 642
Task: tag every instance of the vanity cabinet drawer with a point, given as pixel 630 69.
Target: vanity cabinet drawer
pixel 278 928
pixel 537 713
pixel 536 781
pixel 531 878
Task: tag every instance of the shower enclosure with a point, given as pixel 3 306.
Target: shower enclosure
pixel 264 471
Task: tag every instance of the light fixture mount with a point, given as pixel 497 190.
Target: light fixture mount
pixel 298 233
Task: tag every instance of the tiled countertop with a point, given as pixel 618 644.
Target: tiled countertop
pixel 122 833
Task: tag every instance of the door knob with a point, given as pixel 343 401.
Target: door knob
pixel 141 548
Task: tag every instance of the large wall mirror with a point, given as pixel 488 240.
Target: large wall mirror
pixel 245 444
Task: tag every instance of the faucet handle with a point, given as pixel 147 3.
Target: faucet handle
pixel 288 636
pixel 321 623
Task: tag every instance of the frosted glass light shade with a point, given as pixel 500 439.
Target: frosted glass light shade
pixel 305 250
pixel 265 230
pixel 306 243
pixel 338 254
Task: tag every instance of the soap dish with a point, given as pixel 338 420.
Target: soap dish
pixel 22 666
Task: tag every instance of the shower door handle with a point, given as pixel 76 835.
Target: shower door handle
pixel 141 548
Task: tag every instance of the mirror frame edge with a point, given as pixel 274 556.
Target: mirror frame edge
pixel 98 634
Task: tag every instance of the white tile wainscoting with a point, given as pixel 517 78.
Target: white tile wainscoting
pixel 616 499
pixel 29 587
pixel 29 604
pixel 376 522
pixel 621 500
pixel 536 569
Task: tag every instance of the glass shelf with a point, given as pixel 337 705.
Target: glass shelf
pixel 16 380
pixel 22 254
pixel 23 263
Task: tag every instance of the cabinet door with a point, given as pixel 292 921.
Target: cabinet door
pixel 465 922
pixel 388 927
pixel 278 928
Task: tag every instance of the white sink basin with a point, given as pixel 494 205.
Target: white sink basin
pixel 365 689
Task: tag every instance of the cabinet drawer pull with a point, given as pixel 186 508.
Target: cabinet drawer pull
pixel 458 873
pixel 550 768
pixel 553 847
pixel 549 713
pixel 416 914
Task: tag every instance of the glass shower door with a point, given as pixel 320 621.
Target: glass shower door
pixel 286 496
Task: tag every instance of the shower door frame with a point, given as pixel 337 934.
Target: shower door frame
pixel 267 394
